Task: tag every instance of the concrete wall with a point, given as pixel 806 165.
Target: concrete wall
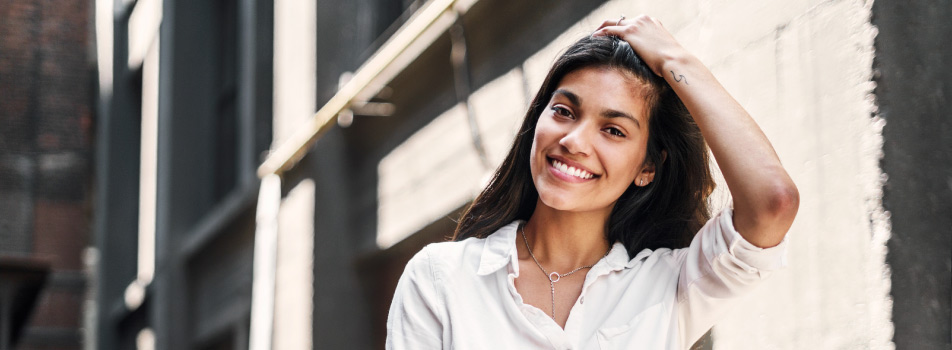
pixel 803 69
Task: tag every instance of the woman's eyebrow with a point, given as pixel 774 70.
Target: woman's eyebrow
pixel 608 113
pixel 569 95
pixel 611 113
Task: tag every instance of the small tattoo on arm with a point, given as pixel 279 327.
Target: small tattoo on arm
pixel 677 79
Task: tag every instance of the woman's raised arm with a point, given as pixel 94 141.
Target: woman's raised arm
pixel 765 198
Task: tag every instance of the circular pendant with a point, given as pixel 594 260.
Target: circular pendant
pixel 556 278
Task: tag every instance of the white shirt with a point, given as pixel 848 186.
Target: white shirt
pixel 462 295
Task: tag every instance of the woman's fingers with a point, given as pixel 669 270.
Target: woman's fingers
pixel 609 22
pixel 646 35
pixel 623 25
pixel 612 22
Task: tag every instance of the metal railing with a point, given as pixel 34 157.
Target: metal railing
pixel 418 33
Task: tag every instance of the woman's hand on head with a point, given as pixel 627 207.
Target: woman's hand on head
pixel 647 36
pixel 765 199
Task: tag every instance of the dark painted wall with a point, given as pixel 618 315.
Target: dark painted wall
pixel 913 77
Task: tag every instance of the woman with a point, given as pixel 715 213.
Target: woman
pixel 581 239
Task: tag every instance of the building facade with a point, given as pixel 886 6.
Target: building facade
pixel 265 168
pixel 47 117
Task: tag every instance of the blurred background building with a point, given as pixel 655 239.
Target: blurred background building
pixel 253 174
pixel 47 115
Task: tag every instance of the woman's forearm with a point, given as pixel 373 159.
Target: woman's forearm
pixel 765 197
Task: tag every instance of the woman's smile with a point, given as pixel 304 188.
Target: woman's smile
pixel 569 171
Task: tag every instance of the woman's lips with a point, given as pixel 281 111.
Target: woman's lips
pixel 567 172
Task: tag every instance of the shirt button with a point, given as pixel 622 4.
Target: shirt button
pixel 581 300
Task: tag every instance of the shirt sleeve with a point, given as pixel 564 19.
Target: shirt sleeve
pixel 414 321
pixel 717 268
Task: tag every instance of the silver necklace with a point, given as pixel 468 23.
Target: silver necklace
pixel 553 276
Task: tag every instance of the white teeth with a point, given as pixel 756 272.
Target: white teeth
pixel 579 173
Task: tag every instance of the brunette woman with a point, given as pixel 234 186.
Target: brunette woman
pixel 595 232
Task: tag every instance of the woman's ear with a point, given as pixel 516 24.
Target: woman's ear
pixel 648 172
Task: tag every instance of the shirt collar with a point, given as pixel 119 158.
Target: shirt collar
pixel 617 257
pixel 500 249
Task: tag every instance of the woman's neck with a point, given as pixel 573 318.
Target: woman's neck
pixel 562 240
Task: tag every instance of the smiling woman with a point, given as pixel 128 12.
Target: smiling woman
pixel 588 128
pixel 608 175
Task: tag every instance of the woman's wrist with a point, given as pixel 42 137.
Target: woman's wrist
pixel 678 68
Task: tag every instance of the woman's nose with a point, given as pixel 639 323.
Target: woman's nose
pixel 577 141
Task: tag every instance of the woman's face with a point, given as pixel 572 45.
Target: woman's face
pixel 590 141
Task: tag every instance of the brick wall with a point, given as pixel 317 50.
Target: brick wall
pixel 45 144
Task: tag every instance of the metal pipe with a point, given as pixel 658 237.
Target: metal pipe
pixel 372 75
pixel 264 264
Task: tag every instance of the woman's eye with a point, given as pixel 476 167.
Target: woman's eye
pixel 562 111
pixel 616 132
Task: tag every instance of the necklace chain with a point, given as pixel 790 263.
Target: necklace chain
pixel 558 276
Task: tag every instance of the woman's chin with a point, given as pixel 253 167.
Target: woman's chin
pixel 572 201
pixel 561 202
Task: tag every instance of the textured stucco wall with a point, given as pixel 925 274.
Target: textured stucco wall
pixel 803 69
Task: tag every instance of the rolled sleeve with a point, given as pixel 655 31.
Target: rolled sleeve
pixel 763 260
pixel 716 269
pixel 415 315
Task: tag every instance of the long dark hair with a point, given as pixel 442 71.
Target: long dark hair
pixel 666 213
